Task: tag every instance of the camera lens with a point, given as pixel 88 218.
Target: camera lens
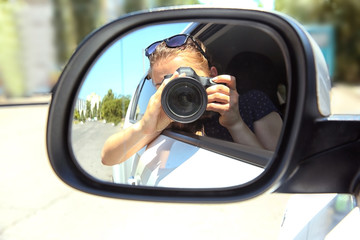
pixel 184 100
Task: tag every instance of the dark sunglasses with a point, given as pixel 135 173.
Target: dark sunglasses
pixel 174 42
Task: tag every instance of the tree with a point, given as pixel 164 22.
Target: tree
pixel 109 96
pixel 113 109
pixel 125 101
pixel 95 111
pixel 135 5
pixel 344 16
pixel 82 116
pixel 88 109
pixel 106 99
pixel 74 20
pixel 99 111
pixel 76 114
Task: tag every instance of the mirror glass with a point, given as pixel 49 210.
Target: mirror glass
pixel 214 123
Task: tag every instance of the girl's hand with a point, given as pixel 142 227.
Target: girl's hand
pixel 223 98
pixel 155 119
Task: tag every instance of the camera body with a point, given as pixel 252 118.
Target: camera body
pixel 184 99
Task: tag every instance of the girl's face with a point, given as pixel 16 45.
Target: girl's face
pixel 169 66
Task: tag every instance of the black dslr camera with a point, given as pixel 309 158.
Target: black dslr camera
pixel 184 99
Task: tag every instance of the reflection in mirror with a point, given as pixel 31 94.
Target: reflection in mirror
pixel 201 109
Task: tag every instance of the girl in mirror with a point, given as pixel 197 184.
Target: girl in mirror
pixel 261 130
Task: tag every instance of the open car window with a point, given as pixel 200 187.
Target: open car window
pixel 258 65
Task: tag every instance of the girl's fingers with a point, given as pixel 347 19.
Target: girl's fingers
pixel 218 88
pixel 216 107
pixel 218 98
pixel 228 80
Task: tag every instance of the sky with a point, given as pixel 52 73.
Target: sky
pixel 122 66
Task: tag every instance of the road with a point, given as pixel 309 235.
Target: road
pixel 87 142
pixel 35 204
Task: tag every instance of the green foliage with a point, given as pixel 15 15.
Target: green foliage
pixel 113 109
pixel 75 19
pixel 95 111
pixel 344 16
pixel 79 116
pixel 175 2
pixel 99 111
pixel 88 110
pixel 135 5
pixel 76 115
pixel 82 116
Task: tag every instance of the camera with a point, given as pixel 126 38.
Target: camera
pixel 184 99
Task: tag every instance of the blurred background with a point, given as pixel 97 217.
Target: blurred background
pixel 37 37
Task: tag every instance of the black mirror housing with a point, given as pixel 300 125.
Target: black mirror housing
pixel 317 152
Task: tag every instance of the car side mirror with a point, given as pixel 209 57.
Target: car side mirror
pixel 308 153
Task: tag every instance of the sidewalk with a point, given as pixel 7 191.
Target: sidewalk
pixel 35 204
pixel 37 99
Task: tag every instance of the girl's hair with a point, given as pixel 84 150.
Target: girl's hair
pixel 188 51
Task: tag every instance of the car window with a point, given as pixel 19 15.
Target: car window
pixel 145 91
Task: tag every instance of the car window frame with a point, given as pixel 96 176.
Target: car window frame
pixel 136 98
pixel 251 155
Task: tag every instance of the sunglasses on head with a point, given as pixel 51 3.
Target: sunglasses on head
pixel 174 42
